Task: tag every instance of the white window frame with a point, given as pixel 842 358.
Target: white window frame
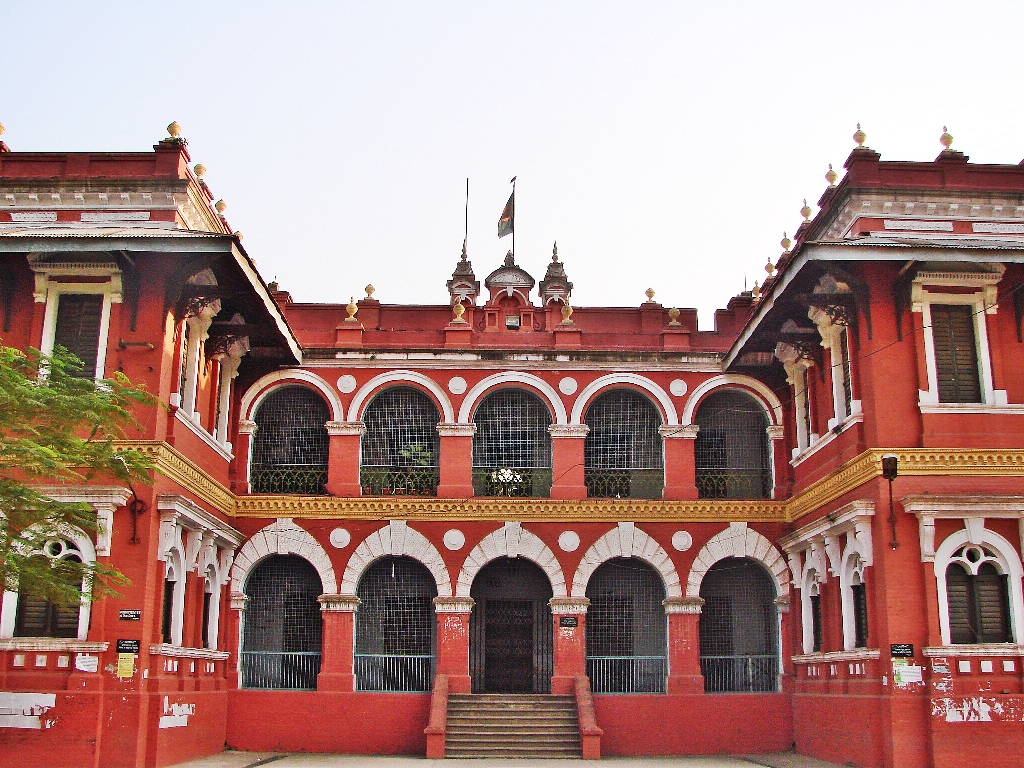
pixel 853 566
pixel 810 587
pixel 174 571
pixel 798 376
pixel 982 302
pixel 830 332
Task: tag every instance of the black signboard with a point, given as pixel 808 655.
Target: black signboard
pixel 129 615
pixel 568 621
pixel 902 650
pixel 127 646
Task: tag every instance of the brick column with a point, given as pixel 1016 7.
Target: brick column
pixel 233 635
pixel 567 476
pixel 680 471
pixel 343 458
pixel 456 480
pixel 453 641
pixel 684 675
pixel 243 450
pixel 570 651
pixel 338 644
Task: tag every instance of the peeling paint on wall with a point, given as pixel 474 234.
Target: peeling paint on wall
pixel 25 710
pixel 176 715
pixel 979 709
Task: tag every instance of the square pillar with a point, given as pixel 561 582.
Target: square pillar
pixel 232 639
pixel 453 641
pixel 780 462
pixel 570 648
pixel 567 471
pixel 456 471
pixel 243 450
pixel 343 457
pixel 680 461
pixel 337 647
pixel 684 675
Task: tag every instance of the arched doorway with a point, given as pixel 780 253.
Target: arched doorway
pixel 511 630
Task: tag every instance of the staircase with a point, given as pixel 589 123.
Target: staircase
pixel 500 725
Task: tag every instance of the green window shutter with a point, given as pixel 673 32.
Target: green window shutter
pixel 956 356
pixel 78 328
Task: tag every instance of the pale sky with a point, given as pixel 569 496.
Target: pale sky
pixel 663 145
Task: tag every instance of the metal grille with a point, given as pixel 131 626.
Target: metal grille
pixel 622 452
pixel 283 628
pixel 395 627
pixel 401 447
pixel 732 456
pixel 291 445
pixel 626 629
pixel 512 447
pixel 738 628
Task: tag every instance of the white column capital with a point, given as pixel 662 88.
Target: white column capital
pixel 445 429
pixel 338 603
pixel 569 430
pixel 561 606
pixel 683 604
pixel 356 428
pixel 685 432
pixel 453 604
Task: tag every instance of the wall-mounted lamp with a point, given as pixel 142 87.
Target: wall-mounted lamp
pixel 890 470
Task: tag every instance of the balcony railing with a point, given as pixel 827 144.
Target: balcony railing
pixel 294 670
pixel 627 674
pixel 624 483
pixel 734 484
pixel 512 481
pixel 288 478
pixel 380 672
pixel 740 674
pixel 399 481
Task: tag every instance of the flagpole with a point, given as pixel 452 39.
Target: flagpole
pixel 465 241
pixel 514 218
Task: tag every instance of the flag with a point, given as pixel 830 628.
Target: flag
pixel 506 223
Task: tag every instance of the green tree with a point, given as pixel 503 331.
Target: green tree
pixel 59 427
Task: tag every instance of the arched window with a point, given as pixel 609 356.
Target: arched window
pixel 290 448
pixel 622 451
pixel 283 628
pixel 512 447
pixel 626 637
pixel 52 615
pixel 977 596
pixel 739 647
pixel 732 454
pixel 395 627
pixel 401 447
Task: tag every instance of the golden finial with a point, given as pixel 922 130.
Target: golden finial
pixel 649 293
pixel 769 268
pixel 200 170
pixel 806 211
pixel 785 243
pixel 673 316
pixel 174 130
pixel 238 233
pixel 946 140
pixel 756 291
pixel 831 176
pixel 220 206
pixel 2 129
pixel 554 251
pixel 369 291
pixel 566 314
pixel 351 309
pixel 457 312
pixel 860 137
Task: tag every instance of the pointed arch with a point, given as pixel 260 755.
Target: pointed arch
pixel 264 385
pixel 546 391
pixel 739 541
pixel 409 377
pixel 626 540
pixel 396 538
pixel 511 540
pixel 282 537
pixel 596 387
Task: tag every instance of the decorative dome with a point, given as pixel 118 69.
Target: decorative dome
pixel 510 279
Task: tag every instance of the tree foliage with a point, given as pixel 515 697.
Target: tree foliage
pixel 57 427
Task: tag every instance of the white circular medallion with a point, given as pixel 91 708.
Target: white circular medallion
pixel 569 541
pixel 454 539
pixel 347 383
pixel 682 541
pixel 456 385
pixel 340 538
pixel 677 387
pixel 567 386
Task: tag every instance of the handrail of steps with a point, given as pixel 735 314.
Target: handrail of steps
pixel 590 733
pixel 438 724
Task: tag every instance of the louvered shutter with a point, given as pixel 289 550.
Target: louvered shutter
pixel 33 618
pixel 78 328
pixel 860 615
pixel 844 356
pixel 958 587
pixel 990 599
pixel 956 356
pixel 816 621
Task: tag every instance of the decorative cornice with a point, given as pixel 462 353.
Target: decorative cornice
pixel 832 657
pixel 54 644
pixel 981 649
pixel 453 604
pixel 333 603
pixel 686 604
pixel 180 652
pixel 173 465
pixel 569 605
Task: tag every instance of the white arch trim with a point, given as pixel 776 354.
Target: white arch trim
pixel 264 385
pixel 397 539
pixel 626 540
pixel 668 408
pixel 282 537
pixel 1007 559
pixel 512 377
pixel 739 541
pixel 511 540
pixel 355 408
pixel 768 399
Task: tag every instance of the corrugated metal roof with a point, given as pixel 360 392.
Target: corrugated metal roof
pixel 916 242
pixel 83 232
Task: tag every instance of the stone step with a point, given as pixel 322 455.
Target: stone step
pixel 512 726
pixel 494 730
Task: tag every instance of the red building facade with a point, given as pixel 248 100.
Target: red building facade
pixel 366 513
